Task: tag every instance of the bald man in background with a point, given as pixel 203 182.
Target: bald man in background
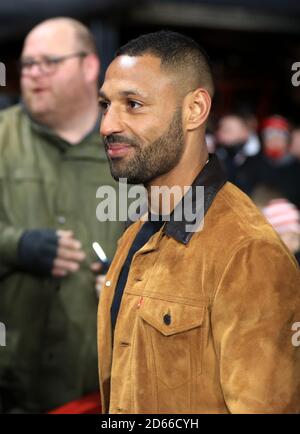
pixel 52 162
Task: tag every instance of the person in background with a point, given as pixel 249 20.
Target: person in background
pixel 237 144
pixel 295 143
pixel 283 215
pixel 276 166
pixel 285 219
pixel 275 133
pixel 52 161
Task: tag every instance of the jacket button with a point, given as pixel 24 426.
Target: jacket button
pixel 167 319
pixel 108 283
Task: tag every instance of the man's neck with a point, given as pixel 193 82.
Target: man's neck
pixel 179 180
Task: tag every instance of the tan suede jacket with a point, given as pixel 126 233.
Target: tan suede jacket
pixel 205 323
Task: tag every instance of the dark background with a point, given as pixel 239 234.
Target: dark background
pixel 252 44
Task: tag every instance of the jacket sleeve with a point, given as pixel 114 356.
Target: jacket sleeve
pixel 256 304
pixel 9 235
pixel 9 240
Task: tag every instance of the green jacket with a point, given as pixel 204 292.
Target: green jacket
pixel 50 356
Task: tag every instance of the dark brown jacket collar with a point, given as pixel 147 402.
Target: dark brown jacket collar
pixel 212 178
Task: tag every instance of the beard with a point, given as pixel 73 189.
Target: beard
pixel 152 160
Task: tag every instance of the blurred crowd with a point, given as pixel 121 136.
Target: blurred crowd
pixel 263 159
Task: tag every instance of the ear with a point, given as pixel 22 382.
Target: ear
pixel 91 67
pixel 196 108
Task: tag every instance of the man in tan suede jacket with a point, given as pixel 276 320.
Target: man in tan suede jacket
pixel 190 320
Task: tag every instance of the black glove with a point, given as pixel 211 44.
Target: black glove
pixel 37 250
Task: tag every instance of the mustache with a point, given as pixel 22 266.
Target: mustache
pixel 117 138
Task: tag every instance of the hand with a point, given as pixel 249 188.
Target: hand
pixel 69 254
pixel 100 278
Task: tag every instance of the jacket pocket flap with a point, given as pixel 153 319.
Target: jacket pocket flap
pixel 170 318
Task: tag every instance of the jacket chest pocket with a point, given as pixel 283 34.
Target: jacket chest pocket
pixel 174 336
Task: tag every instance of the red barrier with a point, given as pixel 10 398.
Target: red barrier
pixel 89 404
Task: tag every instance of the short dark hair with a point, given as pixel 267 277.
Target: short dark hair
pixel 178 53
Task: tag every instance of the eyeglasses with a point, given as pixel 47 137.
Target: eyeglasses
pixel 48 64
